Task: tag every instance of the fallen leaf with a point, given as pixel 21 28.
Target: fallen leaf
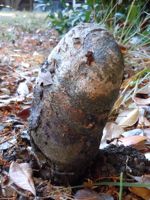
pixel 24 64
pixel 146 108
pixel 141 192
pixel 7 143
pixel 87 194
pixel 105 196
pixel 133 132
pixel 140 101
pixel 39 58
pixel 24 114
pixel 21 175
pixel 5 91
pixel 147 132
pixel 1 127
pixel 132 140
pixel 4 97
pixel 144 121
pixel 128 118
pixel 5 102
pixel 111 130
pixel 144 90
pixel 118 103
pixel 143 179
pixel 23 89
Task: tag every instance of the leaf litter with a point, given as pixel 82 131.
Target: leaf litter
pixel 128 123
pixel 21 175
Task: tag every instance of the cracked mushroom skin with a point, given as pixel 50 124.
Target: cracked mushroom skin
pixel 75 91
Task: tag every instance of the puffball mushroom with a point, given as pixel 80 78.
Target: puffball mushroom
pixel 75 91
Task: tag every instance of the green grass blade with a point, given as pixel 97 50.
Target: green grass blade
pixel 126 21
pixel 121 186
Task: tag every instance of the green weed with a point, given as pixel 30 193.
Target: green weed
pixel 126 25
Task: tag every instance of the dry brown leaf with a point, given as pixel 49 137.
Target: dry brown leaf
pixel 140 101
pixel 117 103
pixel 147 132
pixel 25 64
pixel 39 58
pixel 141 192
pixel 128 118
pixel 145 179
pixel 111 130
pixel 133 132
pixel 144 90
pixel 5 102
pixel 21 175
pixel 132 140
pixel 142 179
pixel 24 114
pixel 126 83
pixel 87 194
pixel 144 121
pixel 23 89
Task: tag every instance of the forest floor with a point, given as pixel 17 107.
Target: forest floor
pixel 25 43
